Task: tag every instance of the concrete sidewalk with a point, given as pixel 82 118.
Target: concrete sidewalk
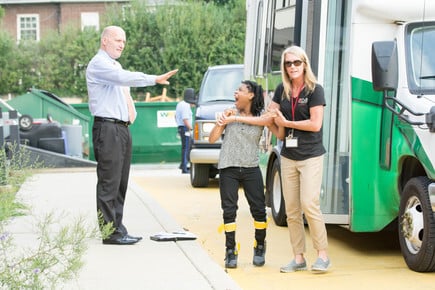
pixel 145 265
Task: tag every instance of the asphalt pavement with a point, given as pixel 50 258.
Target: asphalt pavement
pixel 70 194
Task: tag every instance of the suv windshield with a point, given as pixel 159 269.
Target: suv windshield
pixel 420 43
pixel 220 84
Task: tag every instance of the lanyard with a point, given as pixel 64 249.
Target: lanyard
pixel 295 103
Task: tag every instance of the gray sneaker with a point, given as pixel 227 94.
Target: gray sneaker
pixel 293 267
pixel 321 266
pixel 259 253
pixel 231 258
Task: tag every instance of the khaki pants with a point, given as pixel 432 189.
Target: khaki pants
pixel 301 183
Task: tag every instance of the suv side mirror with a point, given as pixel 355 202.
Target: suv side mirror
pixel 189 96
pixel 384 65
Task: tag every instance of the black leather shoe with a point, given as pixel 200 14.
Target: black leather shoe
pixel 133 237
pixel 125 240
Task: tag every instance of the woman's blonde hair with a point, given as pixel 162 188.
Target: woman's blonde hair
pixel 310 79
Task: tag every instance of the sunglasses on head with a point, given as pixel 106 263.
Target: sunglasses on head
pixel 290 63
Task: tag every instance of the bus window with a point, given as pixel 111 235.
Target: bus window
pixel 258 61
pixel 421 57
pixel 283 31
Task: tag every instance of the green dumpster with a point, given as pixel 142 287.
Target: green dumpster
pixel 154 133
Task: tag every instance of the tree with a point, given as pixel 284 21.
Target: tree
pixel 189 36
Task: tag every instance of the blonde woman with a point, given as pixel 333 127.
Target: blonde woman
pixel 298 103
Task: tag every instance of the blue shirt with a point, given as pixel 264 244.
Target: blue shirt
pixel 183 111
pixel 105 79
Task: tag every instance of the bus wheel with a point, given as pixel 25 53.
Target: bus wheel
pixel 199 174
pixel 277 200
pixel 417 226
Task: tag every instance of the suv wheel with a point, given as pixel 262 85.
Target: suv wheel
pixel 199 174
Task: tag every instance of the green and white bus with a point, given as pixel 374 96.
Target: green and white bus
pixel 376 62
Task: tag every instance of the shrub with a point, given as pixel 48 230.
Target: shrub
pixel 57 256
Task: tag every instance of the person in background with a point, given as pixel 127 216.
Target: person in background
pixel 183 118
pixel 239 165
pixel 113 110
pixel 298 103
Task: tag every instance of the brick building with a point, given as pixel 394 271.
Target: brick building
pixel 33 19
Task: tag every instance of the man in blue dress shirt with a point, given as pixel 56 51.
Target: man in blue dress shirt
pixel 112 107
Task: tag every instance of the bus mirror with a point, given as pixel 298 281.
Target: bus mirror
pixel 189 96
pixel 384 65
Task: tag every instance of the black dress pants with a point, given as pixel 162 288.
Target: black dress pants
pixel 112 149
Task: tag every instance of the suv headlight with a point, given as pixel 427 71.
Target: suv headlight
pixel 202 130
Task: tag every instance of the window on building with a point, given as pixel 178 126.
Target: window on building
pixel 28 27
pixel 90 20
pixel 126 11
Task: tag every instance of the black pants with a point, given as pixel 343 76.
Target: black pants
pixel 230 179
pixel 185 147
pixel 112 150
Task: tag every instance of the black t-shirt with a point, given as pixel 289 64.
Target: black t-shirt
pixel 309 143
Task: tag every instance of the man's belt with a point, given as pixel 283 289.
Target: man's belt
pixel 112 120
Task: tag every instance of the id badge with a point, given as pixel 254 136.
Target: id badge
pixel 291 142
